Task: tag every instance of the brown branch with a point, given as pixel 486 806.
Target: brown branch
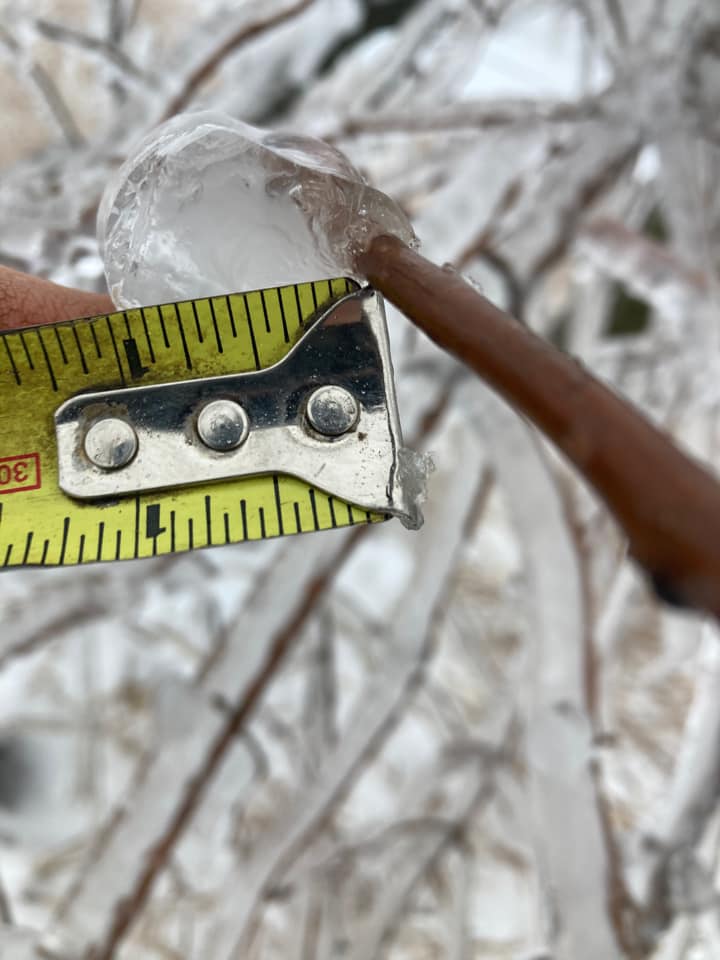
pixel 666 503
pixel 202 73
pixel 471 115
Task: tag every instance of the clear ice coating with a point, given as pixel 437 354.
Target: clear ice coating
pixel 208 205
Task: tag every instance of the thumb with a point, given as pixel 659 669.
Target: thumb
pixel 26 300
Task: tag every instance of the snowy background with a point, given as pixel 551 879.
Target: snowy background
pixel 486 739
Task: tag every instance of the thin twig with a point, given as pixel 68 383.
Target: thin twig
pixel 320 703
pixel 59 33
pixel 465 116
pixel 67 604
pixel 620 907
pixel 120 19
pixel 381 706
pixel 172 785
pixel 561 789
pixel 427 851
pixel 205 70
pixel 156 858
pixel 619 24
pixel 677 824
pixel 461 879
pixel 6 916
pixel 49 91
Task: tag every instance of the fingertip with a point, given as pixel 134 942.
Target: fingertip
pixel 26 301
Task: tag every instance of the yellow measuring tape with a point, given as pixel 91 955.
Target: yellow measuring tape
pixel 41 367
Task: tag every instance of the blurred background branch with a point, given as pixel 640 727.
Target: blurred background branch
pixel 483 740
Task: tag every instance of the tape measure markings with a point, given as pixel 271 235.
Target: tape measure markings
pixel 297 303
pixel 30 363
pixel 81 352
pixel 253 337
pixel 93 334
pixel 111 331
pixel 12 363
pixel 51 372
pixel 132 353
pixel 234 333
pixel 196 318
pixel 28 544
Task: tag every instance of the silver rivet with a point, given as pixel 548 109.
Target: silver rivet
pixel 332 411
pixel 222 425
pixel 111 443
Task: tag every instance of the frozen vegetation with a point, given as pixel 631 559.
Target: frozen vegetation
pixel 486 739
pixel 272 206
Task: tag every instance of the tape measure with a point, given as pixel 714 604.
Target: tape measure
pixel 168 428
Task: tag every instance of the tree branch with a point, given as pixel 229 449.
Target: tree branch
pixel 409 645
pixel 59 33
pixel 207 67
pixel 666 503
pixel 469 115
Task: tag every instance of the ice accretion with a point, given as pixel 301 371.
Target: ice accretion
pixel 208 204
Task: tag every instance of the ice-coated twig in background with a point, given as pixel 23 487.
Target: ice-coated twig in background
pixel 673 830
pixel 607 628
pixel 408 870
pixel 202 71
pixel 48 90
pixel 468 116
pixel 133 849
pixel 460 867
pixel 320 711
pixel 18 944
pixel 569 834
pixel 408 645
pixel 5 911
pixel 69 601
pixel 649 271
pixel 115 56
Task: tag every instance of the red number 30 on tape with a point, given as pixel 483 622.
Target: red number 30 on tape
pixel 19 473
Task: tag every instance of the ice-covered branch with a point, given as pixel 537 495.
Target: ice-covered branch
pixel 408 647
pixel 468 115
pixel 138 840
pixel 569 834
pixel 672 831
pixel 414 861
pixel 68 602
pixel 60 33
pixel 667 505
pixel 46 87
pixel 211 62
pixel 649 271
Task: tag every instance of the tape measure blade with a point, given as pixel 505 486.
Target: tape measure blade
pixel 40 367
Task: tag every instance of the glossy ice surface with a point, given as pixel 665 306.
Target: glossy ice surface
pixel 208 204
